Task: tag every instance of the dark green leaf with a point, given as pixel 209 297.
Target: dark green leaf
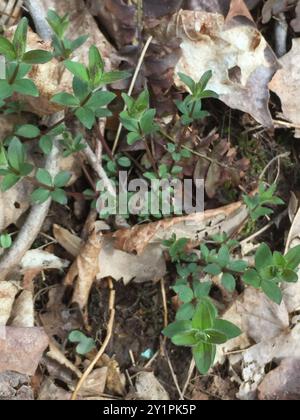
pixel 28 131
pixel 77 43
pixel 40 195
pixel 293 258
pixel 59 196
pixel 20 37
pixel 113 76
pixel 263 257
pixel 213 269
pixel 202 289
pixel 78 69
pixel 6 90
pixel 185 312
pixel 229 282
pixel 204 355
pixel 177 327
pixel 272 291
pixel 289 276
pixel 46 144
pixel 86 117
pixel 26 87
pixel 215 337
pixel 62 179
pixel 37 57
pixel 205 315
pixel 185 339
pixel 9 181
pixel 100 99
pixel 7 49
pixel 65 99
pixel 188 81
pixel 252 278
pixel 16 153
pixel 185 293
pixel 230 330
pixel 44 177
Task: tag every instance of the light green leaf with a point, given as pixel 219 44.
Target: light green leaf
pixel 28 131
pixel 177 327
pixel 86 117
pixel 230 330
pixel 59 196
pixel 26 87
pixel 272 291
pixel 65 99
pixel 263 257
pixel 62 179
pixel 44 177
pixel 205 315
pixel 228 281
pixel 78 69
pixel 9 181
pixel 7 49
pixel 40 195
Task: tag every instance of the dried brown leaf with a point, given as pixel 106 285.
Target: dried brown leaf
pixel 21 349
pixel 85 269
pixel 8 292
pixel 193 227
pixel 286 84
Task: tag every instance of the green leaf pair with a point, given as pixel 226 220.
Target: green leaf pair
pixel 13 165
pixel 265 197
pixel 191 106
pixel 221 263
pixel 138 118
pixel 203 333
pixel 63 47
pixel 272 269
pixel 51 188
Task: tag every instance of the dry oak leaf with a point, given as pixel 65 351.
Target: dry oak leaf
pixel 193 227
pixel 286 84
pixel 85 269
pixel 255 359
pixel 21 349
pixel 242 62
pixel 117 264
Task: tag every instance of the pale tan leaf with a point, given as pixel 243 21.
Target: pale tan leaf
pixel 70 242
pixel 242 62
pixel 194 227
pixel 56 354
pixel 149 388
pixel 23 311
pixel 21 349
pixel 94 385
pixel 8 292
pixel 286 84
pixel 85 269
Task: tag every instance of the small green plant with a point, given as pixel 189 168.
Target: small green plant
pixel 138 118
pixel 272 269
pixel 13 164
pixel 51 188
pixel 197 325
pixel 88 101
pixel 63 46
pixel 202 333
pixel 191 107
pixel 19 63
pixel 265 197
pixel 178 154
pixel 85 344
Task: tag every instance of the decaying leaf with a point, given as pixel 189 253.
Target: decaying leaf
pixel 282 383
pixel 241 61
pixel 50 392
pixel 149 388
pixel 23 311
pixel 255 359
pixel 85 269
pixel 21 349
pixel 39 260
pixel 286 84
pixel 56 354
pixel 70 242
pixel 95 383
pixel 194 227
pixel 115 383
pixel 8 292
pixel 10 11
pixel 14 386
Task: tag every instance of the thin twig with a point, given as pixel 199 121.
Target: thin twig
pixel 174 377
pixel 110 325
pixel 190 373
pixel 138 68
pixel 96 165
pixel 286 124
pixel 276 158
pixel 165 304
